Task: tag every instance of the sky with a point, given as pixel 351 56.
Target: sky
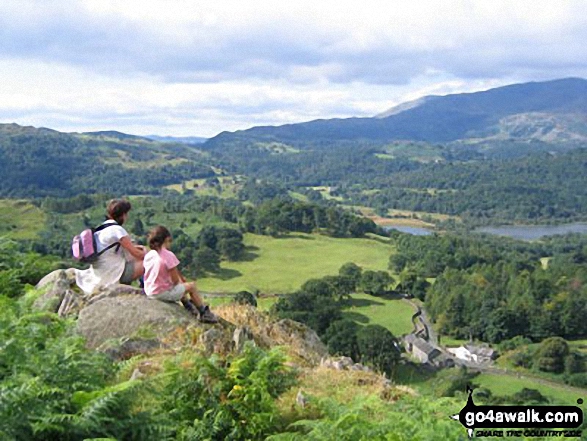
pixel 197 68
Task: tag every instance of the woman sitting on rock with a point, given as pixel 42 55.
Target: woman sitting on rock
pixel 121 261
pixel 164 282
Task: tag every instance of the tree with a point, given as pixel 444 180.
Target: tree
pixel 352 272
pixel 206 260
pixel 341 287
pixel 316 312
pixel 138 228
pixel 245 298
pixel 318 287
pixel 341 338
pixel 551 355
pixel 378 347
pixel 375 282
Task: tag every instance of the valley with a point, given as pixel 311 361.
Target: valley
pixel 349 227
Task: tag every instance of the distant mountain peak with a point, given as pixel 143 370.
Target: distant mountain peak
pixel 116 134
pixel 408 105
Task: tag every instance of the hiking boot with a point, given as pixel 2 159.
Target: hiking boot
pixel 190 307
pixel 207 316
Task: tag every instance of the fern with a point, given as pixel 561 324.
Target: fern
pixel 372 419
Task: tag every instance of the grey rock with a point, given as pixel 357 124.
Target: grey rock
pixel 301 399
pixel 115 290
pixel 127 348
pixel 299 338
pixel 240 336
pixel 56 276
pixel 346 362
pixel 54 287
pixel 214 340
pixel 136 374
pixel 118 317
pixel 337 365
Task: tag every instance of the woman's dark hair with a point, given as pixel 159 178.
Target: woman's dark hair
pixel 117 208
pixel 157 236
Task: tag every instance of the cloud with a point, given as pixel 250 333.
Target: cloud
pixel 381 42
pixel 220 65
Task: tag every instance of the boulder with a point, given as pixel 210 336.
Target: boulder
pixel 55 276
pixel 124 316
pixel 52 289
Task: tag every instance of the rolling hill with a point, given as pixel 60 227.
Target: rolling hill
pixel 38 162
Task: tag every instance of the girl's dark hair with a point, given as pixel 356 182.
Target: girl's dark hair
pixel 117 208
pixel 157 236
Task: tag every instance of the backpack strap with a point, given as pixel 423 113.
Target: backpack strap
pixel 104 226
pixel 115 244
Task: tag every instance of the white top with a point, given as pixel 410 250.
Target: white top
pixel 109 267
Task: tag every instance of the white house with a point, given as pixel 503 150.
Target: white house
pixel 474 354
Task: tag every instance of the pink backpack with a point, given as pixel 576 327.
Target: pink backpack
pixel 84 248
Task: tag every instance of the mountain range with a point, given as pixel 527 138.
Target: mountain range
pixel 550 111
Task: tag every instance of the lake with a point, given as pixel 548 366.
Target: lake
pixel 416 231
pixel 532 232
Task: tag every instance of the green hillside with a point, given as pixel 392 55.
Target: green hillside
pixel 43 162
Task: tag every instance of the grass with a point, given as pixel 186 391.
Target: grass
pixel 393 314
pixel 326 193
pixel 20 220
pixel 263 303
pixel 578 345
pixel 298 196
pixel 276 147
pixel 446 340
pixel 282 265
pixel 507 385
pixel 228 187
pixel 398 218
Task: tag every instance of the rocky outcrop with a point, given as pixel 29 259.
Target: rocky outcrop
pixel 121 321
pixel 343 363
pixel 302 343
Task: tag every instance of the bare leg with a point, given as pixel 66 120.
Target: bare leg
pixel 192 291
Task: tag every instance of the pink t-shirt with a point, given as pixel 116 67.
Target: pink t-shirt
pixel 157 266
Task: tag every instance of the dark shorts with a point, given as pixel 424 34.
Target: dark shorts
pixel 129 270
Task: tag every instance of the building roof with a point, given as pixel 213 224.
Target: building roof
pixel 421 344
pixel 482 351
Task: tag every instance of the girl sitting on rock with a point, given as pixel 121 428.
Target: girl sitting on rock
pixel 164 282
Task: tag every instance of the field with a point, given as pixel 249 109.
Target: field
pixel 283 265
pixel 227 187
pixel 393 314
pixel 508 385
pixel 401 217
pixel 20 220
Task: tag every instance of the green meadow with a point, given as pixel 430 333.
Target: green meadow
pixel 509 385
pixel 393 314
pixel 20 220
pixel 282 265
